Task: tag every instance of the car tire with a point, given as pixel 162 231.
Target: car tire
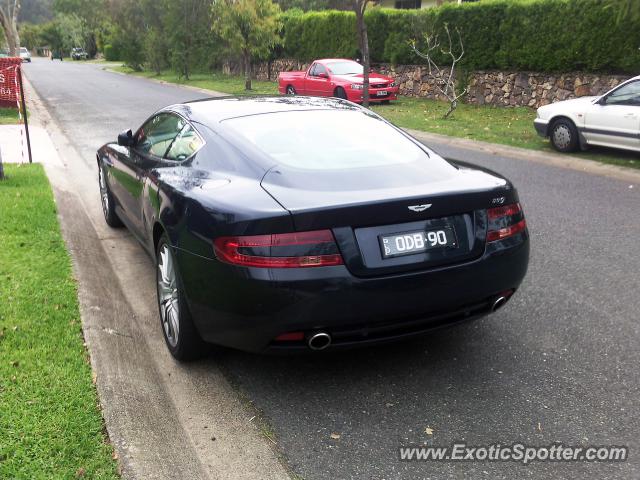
pixel 179 332
pixel 106 199
pixel 564 136
pixel 291 90
pixel 340 93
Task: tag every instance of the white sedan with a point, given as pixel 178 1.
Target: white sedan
pixel 25 55
pixel 611 120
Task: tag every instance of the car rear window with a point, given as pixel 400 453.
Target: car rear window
pixel 328 139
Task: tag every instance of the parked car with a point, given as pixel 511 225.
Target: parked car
pixel 337 78
pixel 25 55
pixel 4 53
pixel 57 54
pixel 610 120
pixel 78 53
pixel 302 223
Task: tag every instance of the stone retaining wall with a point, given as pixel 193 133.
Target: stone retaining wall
pixel 530 89
pixel 506 88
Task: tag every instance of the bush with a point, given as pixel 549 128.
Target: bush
pixel 111 53
pixel 539 35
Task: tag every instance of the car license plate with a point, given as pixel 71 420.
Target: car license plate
pixel 382 93
pixel 409 243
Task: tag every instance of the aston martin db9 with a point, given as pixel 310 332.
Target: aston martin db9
pixel 281 224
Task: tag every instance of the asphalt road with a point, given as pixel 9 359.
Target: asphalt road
pixel 558 364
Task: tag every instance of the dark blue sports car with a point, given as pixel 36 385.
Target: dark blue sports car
pixel 294 223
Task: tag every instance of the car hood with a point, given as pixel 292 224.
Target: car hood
pixel 373 78
pixel 569 104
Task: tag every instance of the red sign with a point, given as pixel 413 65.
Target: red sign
pixel 9 86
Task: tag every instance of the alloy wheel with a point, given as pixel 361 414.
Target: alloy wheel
pixel 104 193
pixel 168 296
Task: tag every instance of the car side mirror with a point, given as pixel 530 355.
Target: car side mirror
pixel 323 75
pixel 125 139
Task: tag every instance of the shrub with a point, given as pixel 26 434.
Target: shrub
pixel 540 35
pixel 111 53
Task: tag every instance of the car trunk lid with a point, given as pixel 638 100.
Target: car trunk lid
pixel 363 206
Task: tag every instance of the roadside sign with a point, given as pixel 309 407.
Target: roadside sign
pixel 9 83
pixel 12 92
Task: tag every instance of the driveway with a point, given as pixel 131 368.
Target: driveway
pixel 558 364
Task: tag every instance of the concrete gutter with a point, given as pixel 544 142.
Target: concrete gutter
pixel 166 420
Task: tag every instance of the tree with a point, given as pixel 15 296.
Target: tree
pixel 129 35
pixel 249 28
pixel 30 35
pixel 9 11
pixel 72 31
pixel 35 11
pixel 359 6
pixel 92 14
pixel 442 77
pixel 188 24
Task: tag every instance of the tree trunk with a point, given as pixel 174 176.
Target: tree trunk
pixel 247 70
pixel 9 23
pixel 363 41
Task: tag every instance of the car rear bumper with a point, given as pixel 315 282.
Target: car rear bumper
pixel 247 308
pixel 542 127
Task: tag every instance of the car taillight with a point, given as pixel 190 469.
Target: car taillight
pixel 505 222
pixel 280 250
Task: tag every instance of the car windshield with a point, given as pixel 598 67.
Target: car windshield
pixel 345 68
pixel 329 140
pixel 23 50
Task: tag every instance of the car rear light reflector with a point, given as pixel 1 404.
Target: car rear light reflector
pixel 505 222
pixel 280 250
pixel 290 337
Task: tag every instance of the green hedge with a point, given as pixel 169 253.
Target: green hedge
pixel 539 35
pixel 111 53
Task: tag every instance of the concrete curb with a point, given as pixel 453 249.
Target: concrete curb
pixel 552 159
pixel 165 419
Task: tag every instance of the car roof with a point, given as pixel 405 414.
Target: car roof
pixel 210 111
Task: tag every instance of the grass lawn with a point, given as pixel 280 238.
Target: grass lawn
pixel 507 126
pixel 50 423
pixel 8 116
pixel 221 83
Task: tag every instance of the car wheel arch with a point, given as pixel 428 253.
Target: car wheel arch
pixel 554 120
pixel 158 231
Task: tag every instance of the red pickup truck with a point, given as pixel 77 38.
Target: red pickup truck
pixel 337 78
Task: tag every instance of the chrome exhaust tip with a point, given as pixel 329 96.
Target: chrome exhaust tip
pixel 319 341
pixel 498 303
